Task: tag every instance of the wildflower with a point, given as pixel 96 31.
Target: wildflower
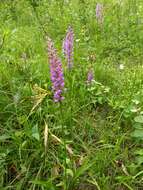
pixel 16 98
pixel 77 40
pixel 24 56
pixel 135 110
pixel 68 47
pixel 99 13
pixel 121 67
pixel 90 76
pixel 56 72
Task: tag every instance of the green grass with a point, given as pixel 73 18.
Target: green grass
pixel 95 135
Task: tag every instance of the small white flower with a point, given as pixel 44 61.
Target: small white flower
pixel 16 98
pixel 77 40
pixel 121 66
pixel 136 101
pixel 134 110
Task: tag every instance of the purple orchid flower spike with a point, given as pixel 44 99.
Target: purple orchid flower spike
pixel 90 76
pixel 99 13
pixel 68 47
pixel 56 72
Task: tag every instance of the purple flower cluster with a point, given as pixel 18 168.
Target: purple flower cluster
pixel 56 72
pixel 68 47
pixel 90 76
pixel 99 13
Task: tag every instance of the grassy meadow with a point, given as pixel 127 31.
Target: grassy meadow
pixel 91 140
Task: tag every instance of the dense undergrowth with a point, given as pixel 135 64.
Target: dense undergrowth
pixel 93 138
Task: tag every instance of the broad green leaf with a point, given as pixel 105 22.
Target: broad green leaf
pixel 137 134
pixel 139 152
pixel 4 137
pixel 139 119
pixel 47 184
pixel 138 126
pixel 35 132
pixel 139 159
pixel 69 172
